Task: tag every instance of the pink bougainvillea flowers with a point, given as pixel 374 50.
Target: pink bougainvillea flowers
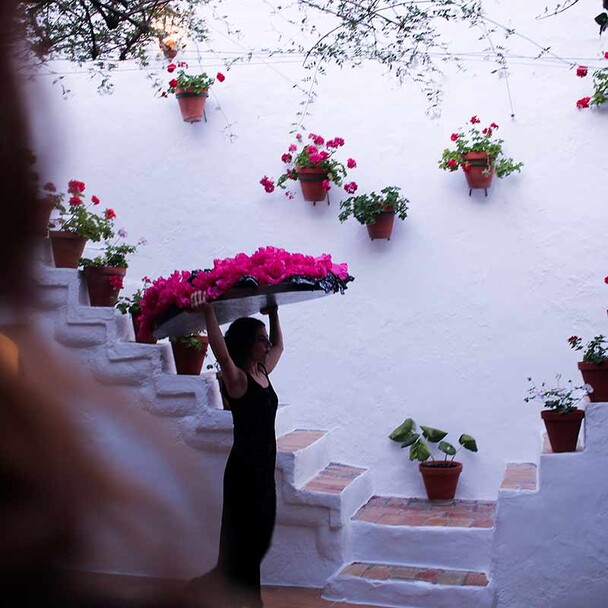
pixel 267 183
pixel 351 187
pixel 454 136
pixel 581 71
pixel 351 163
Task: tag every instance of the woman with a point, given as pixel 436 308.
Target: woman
pixel 246 357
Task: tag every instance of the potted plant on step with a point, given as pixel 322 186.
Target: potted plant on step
pixel 479 154
pixel 131 305
pixel 314 165
pixel 105 273
pixel 189 353
pixel 561 417
pixel 191 91
pixel 594 366
pixel 440 476
pixel 76 225
pixel 376 211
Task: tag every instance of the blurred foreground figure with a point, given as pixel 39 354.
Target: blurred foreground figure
pixel 51 486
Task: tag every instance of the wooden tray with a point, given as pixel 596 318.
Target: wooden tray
pixel 240 302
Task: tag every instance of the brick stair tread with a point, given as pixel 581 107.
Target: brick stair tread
pixel 433 576
pixel 520 476
pixel 298 440
pixel 334 478
pixel 399 511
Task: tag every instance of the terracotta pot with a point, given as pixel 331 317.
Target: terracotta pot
pixel 189 360
pixel 67 248
pixel 311 181
pixel 140 336
pixel 480 171
pixel 440 481
pixel 383 228
pixel 168 52
pixel 42 215
pixel 191 104
pixel 563 429
pixel 99 284
pixel 597 376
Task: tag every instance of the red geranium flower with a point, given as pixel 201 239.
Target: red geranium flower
pixel 583 102
pixel 115 281
pixel 95 200
pixel 75 201
pixel 171 68
pixel 50 187
pixel 606 55
pixel 454 136
pixel 220 77
pixel 474 120
pixel 173 83
pixel 109 214
pixel 581 71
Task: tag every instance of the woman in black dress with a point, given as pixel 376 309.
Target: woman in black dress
pixel 246 356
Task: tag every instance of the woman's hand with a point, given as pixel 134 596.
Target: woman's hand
pixel 198 302
pixel 268 310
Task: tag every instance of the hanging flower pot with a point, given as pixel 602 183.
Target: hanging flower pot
pixel 563 429
pixel 189 353
pixel 140 336
pixel 67 248
pixel 191 104
pixel 478 170
pixel 311 181
pixel 103 284
pixel 440 479
pixel 596 375
pixel 383 226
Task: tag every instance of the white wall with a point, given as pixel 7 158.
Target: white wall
pixel 444 322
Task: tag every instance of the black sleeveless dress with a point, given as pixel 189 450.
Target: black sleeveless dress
pixel 249 507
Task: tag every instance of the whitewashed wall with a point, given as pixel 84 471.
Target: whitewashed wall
pixel 471 295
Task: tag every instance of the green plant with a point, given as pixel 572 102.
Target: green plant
pixel 406 435
pixel 114 254
pixel 595 351
pixel 190 341
pixel 478 140
pixel 560 399
pixel 365 208
pixel 196 83
pixel 131 304
pixel 77 217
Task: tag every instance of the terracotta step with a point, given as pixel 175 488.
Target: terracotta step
pixel 407 585
pixel 298 440
pixel 397 511
pixel 520 476
pixel 334 478
pixel 433 576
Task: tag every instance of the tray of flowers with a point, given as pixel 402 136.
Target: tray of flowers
pixel 238 287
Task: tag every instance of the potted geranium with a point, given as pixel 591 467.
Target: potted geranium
pixel 76 225
pixel 600 86
pixel 594 366
pixel 104 274
pixel 561 417
pixel 189 353
pixel 440 476
pixel 191 90
pixel 131 305
pixel 314 165
pixel 376 211
pixel 479 153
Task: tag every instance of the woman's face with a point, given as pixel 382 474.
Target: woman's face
pixel 261 346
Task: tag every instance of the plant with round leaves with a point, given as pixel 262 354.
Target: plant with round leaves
pixel 407 436
pixel 189 341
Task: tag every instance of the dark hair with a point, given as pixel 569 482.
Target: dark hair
pixel 240 338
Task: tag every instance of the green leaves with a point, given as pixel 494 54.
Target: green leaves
pixel 365 208
pixel 467 442
pixel 406 435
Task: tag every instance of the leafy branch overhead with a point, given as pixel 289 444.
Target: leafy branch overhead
pixel 105 31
